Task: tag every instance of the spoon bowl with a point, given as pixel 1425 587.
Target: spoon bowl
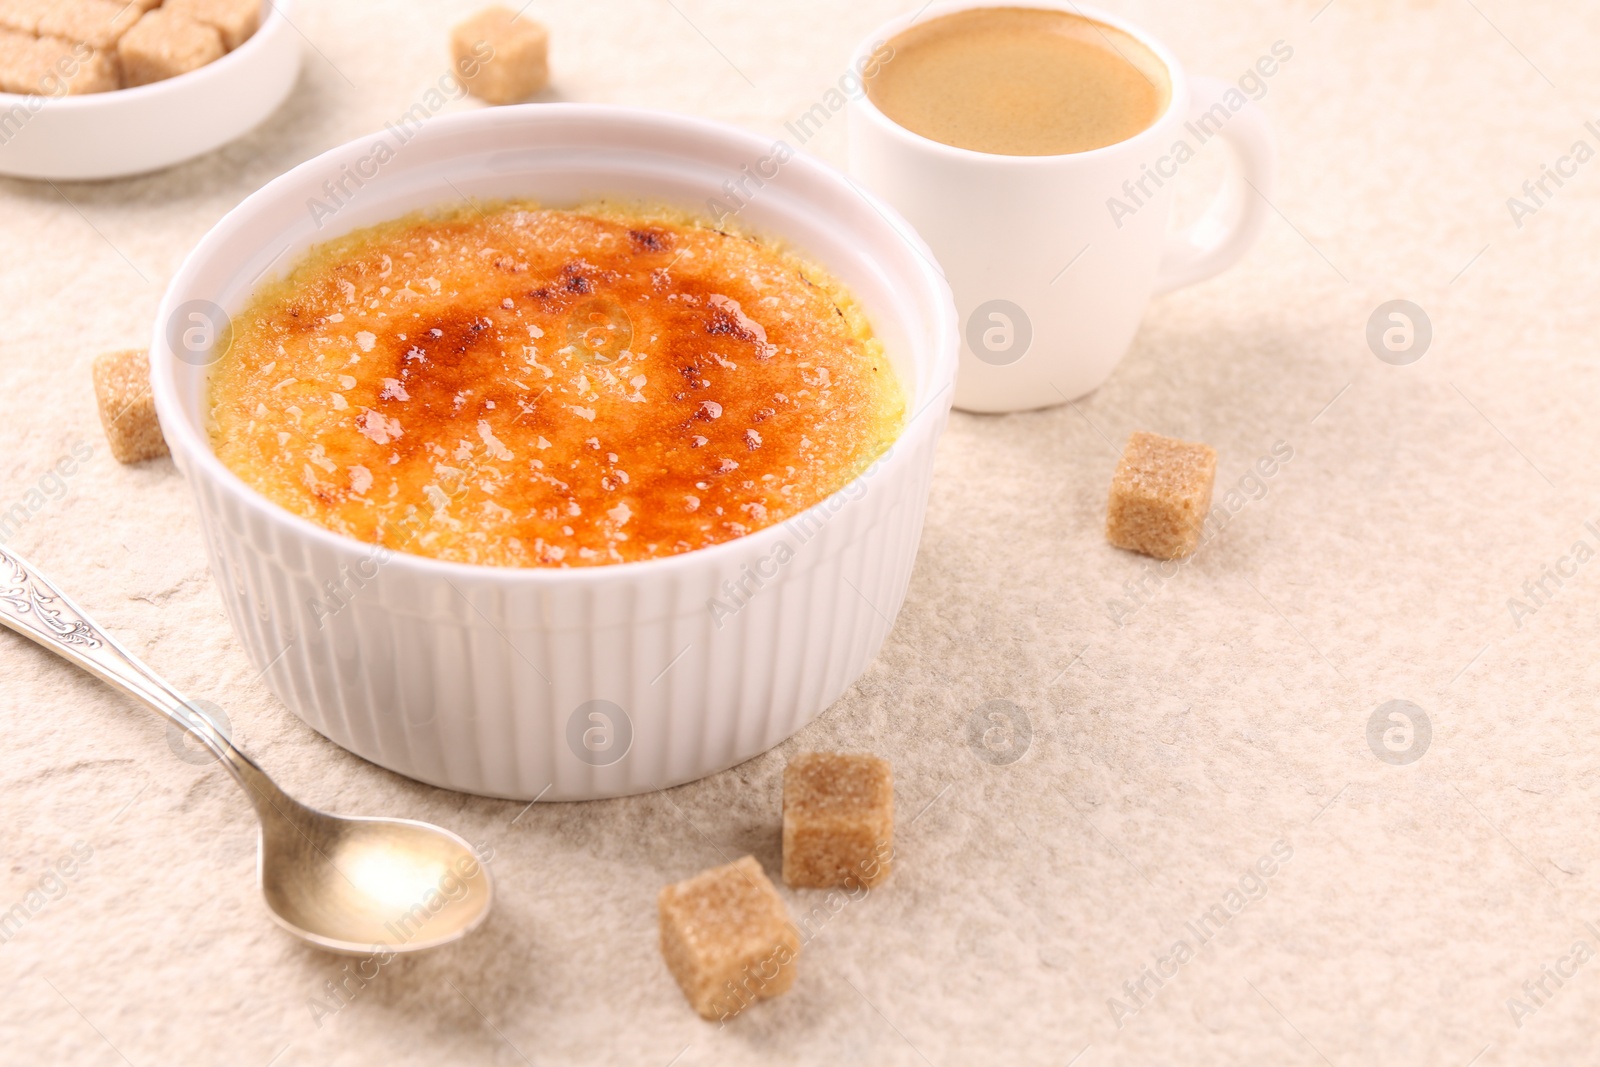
pixel 365 885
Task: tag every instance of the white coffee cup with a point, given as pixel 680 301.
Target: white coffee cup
pixel 1053 258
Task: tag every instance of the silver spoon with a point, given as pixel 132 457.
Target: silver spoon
pixel 345 884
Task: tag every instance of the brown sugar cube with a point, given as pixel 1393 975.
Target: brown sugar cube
pixel 127 410
pixel 58 67
pixel 14 62
pixel 1160 495
pixel 838 820
pixel 164 44
pixel 50 66
pixel 24 66
pixel 234 20
pixel 68 68
pixel 94 72
pixel 501 58
pixel 96 23
pixel 22 16
pixel 727 938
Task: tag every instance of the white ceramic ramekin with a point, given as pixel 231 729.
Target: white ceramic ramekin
pixel 131 131
pixel 589 682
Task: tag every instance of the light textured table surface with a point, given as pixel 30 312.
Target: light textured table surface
pixel 1170 747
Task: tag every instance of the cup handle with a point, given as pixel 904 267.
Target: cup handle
pixel 1221 236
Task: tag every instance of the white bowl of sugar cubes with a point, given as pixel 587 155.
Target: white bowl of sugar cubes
pixel 108 88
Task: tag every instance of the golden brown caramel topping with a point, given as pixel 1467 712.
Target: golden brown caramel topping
pixel 525 387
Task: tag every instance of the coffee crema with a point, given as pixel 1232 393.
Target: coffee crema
pixel 1020 81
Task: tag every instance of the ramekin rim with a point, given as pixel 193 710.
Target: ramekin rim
pixel 200 462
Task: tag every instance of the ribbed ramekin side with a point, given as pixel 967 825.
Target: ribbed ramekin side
pixel 475 683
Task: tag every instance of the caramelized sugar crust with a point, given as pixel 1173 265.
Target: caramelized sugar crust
pixel 516 386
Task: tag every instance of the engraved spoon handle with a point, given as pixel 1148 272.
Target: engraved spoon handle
pixel 34 607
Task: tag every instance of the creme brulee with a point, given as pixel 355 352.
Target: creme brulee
pixel 519 386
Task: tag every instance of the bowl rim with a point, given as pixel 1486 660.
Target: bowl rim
pixel 1177 97
pixel 274 23
pixel 185 438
